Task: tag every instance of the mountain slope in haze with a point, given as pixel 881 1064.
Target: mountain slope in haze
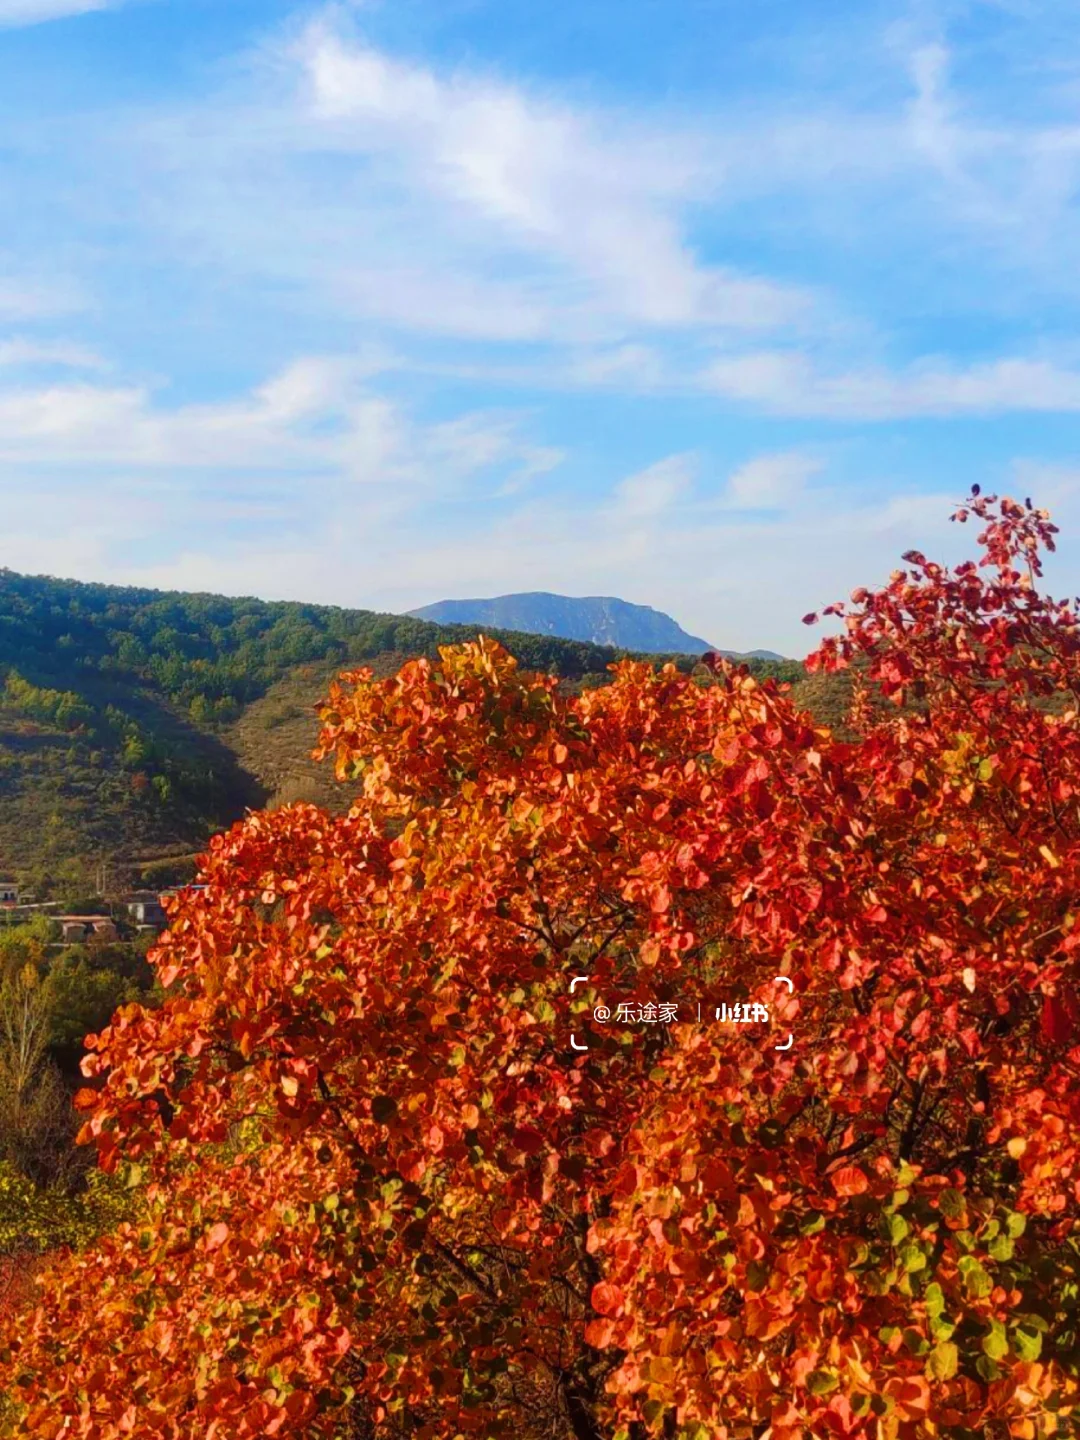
pixel 599 619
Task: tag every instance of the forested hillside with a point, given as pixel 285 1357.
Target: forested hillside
pixel 135 723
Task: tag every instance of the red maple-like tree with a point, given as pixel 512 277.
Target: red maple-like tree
pixel 381 1195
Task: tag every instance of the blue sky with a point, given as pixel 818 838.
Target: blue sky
pixel 711 305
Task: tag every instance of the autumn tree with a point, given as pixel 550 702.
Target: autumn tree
pixel 44 1207
pixel 383 1196
pixel 36 1127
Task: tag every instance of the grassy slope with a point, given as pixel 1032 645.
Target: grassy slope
pixel 274 737
pixel 67 800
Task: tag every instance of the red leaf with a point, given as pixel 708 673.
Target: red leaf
pixel 529 1139
pixel 607 1299
pixel 1057 1021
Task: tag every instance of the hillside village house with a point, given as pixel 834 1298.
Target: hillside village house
pixel 9 892
pixel 146 909
pixel 80 928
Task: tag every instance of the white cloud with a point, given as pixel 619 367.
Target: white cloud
pixel 318 416
pixel 458 203
pixel 597 196
pixel 32 12
pixel 628 366
pixel 20 352
pixel 308 387
pixel 648 494
pixel 446 302
pixel 70 421
pixel 770 482
pixel 27 297
pixel 1009 183
pixel 931 115
pixel 789 383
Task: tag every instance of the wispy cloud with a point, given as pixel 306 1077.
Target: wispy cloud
pixel 446 202
pixel 770 482
pixel 789 383
pixel 21 352
pixel 595 194
pixel 33 12
pixel 646 495
pixel 27 296
pixel 1008 180
pixel 317 417
pixel 931 116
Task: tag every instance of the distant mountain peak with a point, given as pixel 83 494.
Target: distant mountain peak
pixel 598 619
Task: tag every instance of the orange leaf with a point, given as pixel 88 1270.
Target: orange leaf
pixel 849 1180
pixel 598 1333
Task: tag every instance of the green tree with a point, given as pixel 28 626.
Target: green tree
pixel 81 996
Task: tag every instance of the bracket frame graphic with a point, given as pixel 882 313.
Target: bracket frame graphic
pixel 785 980
pixel 578 980
pixel 777 980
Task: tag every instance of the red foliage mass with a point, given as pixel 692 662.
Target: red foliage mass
pixel 382 1192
